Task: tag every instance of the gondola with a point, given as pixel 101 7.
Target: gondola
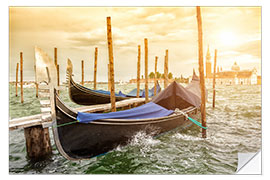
pixel 85 96
pixel 86 135
pixel 82 140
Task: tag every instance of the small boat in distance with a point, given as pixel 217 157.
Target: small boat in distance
pixel 86 96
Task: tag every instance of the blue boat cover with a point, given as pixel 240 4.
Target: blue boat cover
pixel 149 110
pixel 151 92
pixel 132 93
pixel 108 92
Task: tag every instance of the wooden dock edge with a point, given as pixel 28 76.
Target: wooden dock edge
pixel 34 120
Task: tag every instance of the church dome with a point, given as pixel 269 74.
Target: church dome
pixel 235 67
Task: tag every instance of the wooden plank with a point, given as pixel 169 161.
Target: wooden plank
pixel 45 119
pixel 44 95
pixel 45 109
pixel 110 52
pixel 45 103
pixel 146 69
pixel 44 87
pixel 201 69
pixel 24 124
pixel 138 71
pixel 105 107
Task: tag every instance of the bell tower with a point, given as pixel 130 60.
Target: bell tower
pixel 208 64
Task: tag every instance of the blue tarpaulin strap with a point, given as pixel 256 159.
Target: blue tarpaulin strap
pixel 192 120
pixel 196 122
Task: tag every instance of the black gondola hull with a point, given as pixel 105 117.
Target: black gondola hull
pixel 83 141
pixel 84 96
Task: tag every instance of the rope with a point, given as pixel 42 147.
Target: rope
pixel 64 124
pixel 192 120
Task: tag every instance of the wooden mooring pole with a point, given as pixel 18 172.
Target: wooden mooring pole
pixel 21 72
pixel 58 76
pixel 55 56
pixel 16 85
pixel 201 70
pixel 57 68
pixel 155 79
pixel 38 145
pixel 109 81
pixel 95 69
pixel 214 79
pixel 166 69
pixel 146 68
pixel 82 83
pixel 138 71
pixel 110 52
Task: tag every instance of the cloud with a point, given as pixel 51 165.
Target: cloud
pixel 160 17
pixel 252 47
pixel 75 30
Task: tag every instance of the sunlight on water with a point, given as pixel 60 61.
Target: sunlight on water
pixel 233 126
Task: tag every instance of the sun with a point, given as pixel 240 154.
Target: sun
pixel 227 38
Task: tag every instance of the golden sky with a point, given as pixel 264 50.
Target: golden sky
pixel 234 31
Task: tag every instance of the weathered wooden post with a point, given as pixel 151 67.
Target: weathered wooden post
pixel 138 71
pixel 95 69
pixel 21 71
pixel 82 83
pixel 56 64
pixel 166 69
pixel 155 79
pixel 38 146
pixel 109 81
pixel 58 76
pixel 55 56
pixel 146 68
pixel 16 85
pixel 214 79
pixel 110 52
pixel 57 68
pixel 201 70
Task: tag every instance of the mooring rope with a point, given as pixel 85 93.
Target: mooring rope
pixel 189 118
pixel 64 124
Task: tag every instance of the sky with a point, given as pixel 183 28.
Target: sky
pixel 234 31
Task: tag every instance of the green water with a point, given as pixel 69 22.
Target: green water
pixel 233 126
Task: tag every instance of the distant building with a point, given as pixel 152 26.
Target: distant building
pixel 231 77
pixel 160 80
pixel 259 80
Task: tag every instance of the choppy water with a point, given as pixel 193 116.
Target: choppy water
pixel 233 126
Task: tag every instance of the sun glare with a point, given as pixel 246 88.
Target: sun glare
pixel 227 38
